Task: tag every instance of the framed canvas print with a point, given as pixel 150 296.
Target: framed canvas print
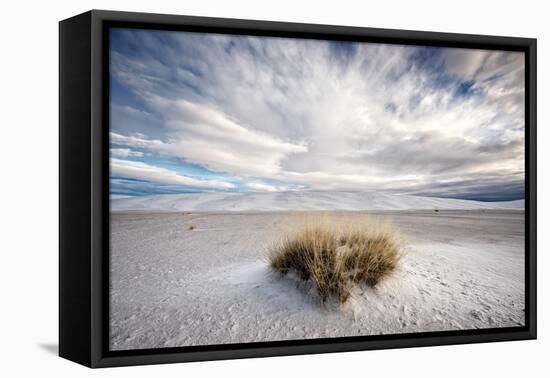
pixel 233 188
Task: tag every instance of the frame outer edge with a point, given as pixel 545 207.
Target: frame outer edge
pixel 532 169
pixel 75 273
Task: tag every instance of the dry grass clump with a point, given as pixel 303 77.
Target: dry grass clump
pixel 336 253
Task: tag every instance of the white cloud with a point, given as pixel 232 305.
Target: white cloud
pixel 126 152
pixel 142 171
pixel 465 63
pixel 206 136
pixel 136 141
pixel 261 187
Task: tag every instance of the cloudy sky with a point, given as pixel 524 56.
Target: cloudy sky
pixel 195 112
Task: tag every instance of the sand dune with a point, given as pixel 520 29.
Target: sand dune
pixel 282 201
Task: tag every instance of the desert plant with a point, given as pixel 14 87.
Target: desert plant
pixel 336 253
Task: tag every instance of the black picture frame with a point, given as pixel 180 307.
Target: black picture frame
pixel 84 188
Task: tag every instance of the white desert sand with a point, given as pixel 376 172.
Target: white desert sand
pixel 176 286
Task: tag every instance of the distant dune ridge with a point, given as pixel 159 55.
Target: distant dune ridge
pixel 304 200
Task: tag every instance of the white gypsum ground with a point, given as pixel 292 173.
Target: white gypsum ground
pixel 199 278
